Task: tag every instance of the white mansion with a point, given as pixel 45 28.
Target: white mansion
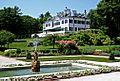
pixel 64 22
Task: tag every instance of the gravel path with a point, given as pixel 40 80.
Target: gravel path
pixel 115 76
pixel 8 61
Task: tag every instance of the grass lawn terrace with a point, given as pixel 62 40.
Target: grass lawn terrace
pixel 58 58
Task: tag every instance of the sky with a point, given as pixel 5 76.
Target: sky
pixel 36 7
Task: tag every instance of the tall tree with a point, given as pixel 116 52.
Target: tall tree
pixel 42 18
pixel 10 19
pixel 106 15
pixel 29 26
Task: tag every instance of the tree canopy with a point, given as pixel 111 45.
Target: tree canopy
pixel 106 17
pixel 11 19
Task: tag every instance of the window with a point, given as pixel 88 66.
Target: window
pixel 49 24
pixel 66 21
pixel 57 23
pixel 75 21
pixel 83 22
pixel 62 22
pixel 46 25
pixel 79 22
pixel 70 21
pixel 66 28
pixel 75 29
pixel 79 28
pixel 70 29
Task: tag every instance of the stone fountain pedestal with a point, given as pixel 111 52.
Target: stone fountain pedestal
pixel 35 63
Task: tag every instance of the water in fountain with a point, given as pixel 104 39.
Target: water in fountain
pixel 35 43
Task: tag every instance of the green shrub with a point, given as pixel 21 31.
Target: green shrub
pixel 87 51
pixel 10 52
pixel 116 48
pixel 116 53
pixel 23 50
pixel 23 54
pixel 117 40
pixel 28 56
pixel 45 51
pixel 2 53
pixel 111 56
pixel 18 51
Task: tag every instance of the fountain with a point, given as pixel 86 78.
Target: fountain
pixel 35 62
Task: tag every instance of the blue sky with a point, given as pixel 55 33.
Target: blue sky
pixel 36 7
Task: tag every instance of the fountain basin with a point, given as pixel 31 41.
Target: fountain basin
pixel 9 72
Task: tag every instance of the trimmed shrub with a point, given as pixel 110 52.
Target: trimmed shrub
pixel 30 44
pixel 3 49
pixel 112 57
pixel 18 51
pixel 10 52
pixel 87 51
pixel 2 53
pixel 28 56
pixel 116 53
pixel 117 40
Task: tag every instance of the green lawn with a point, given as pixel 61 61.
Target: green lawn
pixel 98 59
pixel 23 45
pixel 103 48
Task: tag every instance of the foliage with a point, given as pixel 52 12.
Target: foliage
pixel 6 37
pixel 117 40
pixel 18 51
pixel 29 26
pixel 50 40
pixel 106 17
pixel 89 37
pixel 10 52
pixel 23 46
pixel 3 49
pixel 28 55
pixel 68 47
pixel 2 53
pixel 112 56
pixel 116 53
pixel 87 51
pixel 11 19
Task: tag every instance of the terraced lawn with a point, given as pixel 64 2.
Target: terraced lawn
pixel 57 58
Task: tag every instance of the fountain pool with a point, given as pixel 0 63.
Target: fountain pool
pixel 43 69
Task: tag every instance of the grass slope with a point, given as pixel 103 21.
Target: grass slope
pixel 98 59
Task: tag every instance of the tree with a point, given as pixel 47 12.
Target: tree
pixel 6 37
pixel 42 18
pixel 50 40
pixel 96 21
pixel 10 19
pixel 106 16
pixel 29 26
